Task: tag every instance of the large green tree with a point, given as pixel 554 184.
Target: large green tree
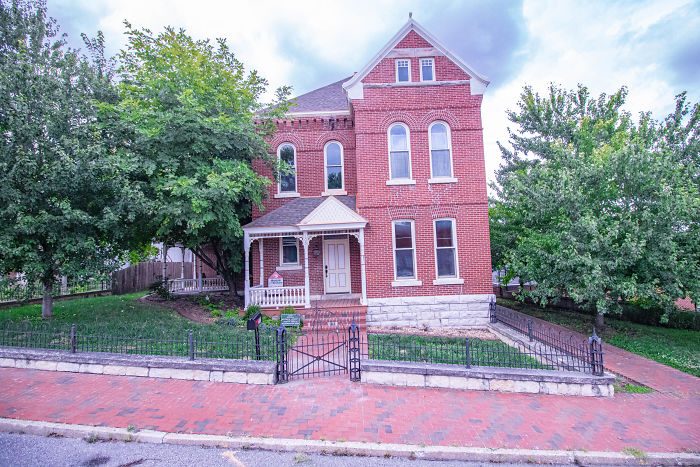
pixel 65 206
pixel 597 206
pixel 191 118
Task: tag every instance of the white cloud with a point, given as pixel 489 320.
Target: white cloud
pixel 599 44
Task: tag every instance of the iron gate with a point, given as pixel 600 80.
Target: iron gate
pixel 321 351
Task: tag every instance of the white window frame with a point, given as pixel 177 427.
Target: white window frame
pixel 334 191
pixel 420 66
pixel 400 181
pixel 404 281
pixel 441 179
pixel 396 66
pixel 288 194
pixel 446 280
pixel 288 266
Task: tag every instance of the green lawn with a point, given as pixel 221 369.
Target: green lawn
pixel 411 348
pixel 124 324
pixel 677 348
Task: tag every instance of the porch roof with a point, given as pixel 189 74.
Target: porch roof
pixel 311 213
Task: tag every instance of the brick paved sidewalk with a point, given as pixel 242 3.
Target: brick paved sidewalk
pixel 336 409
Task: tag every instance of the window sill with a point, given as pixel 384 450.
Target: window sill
pixel 334 193
pixel 291 267
pixel 287 194
pixel 448 281
pixel 401 181
pixel 442 180
pixel 406 283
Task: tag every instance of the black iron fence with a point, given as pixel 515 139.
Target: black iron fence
pixel 318 352
pixel 568 348
pixel 223 342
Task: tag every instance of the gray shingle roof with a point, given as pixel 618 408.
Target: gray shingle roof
pixel 295 211
pixel 327 98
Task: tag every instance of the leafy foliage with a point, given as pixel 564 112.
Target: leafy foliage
pixel 66 206
pixel 192 120
pixel 596 206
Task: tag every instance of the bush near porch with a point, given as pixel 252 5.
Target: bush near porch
pixel 677 348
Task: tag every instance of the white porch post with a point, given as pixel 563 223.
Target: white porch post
pixel 194 267
pixel 246 278
pixel 262 265
pixel 361 238
pixel 182 268
pixel 307 289
pixel 165 264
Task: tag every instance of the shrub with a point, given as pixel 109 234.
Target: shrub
pixel 288 310
pixel 160 288
pixel 250 311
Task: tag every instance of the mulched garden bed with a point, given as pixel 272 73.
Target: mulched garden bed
pixel 189 307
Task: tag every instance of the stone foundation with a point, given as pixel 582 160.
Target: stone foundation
pixel 152 366
pixel 437 311
pixel 435 375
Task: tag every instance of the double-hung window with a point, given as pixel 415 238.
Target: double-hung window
pixel 333 154
pixel 445 248
pixel 404 250
pixel 399 152
pixel 289 251
pixel 403 70
pixel 427 69
pixel 440 150
pixel 288 179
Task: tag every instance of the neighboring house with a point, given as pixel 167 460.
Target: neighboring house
pixel 387 203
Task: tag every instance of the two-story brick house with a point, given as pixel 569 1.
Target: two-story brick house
pixel 387 202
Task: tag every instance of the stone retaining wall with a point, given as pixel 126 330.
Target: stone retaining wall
pixel 434 375
pixel 427 312
pixel 153 366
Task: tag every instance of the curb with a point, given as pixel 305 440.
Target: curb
pixel 348 448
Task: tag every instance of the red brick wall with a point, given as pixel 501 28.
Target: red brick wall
pixel 309 136
pixel 365 142
pixel 466 200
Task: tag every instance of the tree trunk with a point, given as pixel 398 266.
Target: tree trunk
pixel 231 283
pixel 47 301
pixel 599 322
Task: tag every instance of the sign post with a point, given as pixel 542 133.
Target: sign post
pixel 254 325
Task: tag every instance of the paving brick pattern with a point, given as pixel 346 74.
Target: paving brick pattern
pixel 336 409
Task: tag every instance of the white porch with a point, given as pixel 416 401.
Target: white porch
pixel 325 218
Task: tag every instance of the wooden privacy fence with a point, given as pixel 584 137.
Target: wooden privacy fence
pixel 138 277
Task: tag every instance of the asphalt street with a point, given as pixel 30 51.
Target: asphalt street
pixel 38 451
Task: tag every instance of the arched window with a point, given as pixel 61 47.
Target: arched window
pixel 333 154
pixel 288 181
pixel 399 152
pixel 440 150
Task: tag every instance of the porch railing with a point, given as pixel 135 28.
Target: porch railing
pixel 192 285
pixel 278 296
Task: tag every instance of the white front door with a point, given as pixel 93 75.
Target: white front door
pixel 336 265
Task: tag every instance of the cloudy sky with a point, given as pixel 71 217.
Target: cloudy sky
pixel 652 47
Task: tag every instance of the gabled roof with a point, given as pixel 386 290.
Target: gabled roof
pixel 309 214
pixel 354 85
pixel 329 98
pixel 332 211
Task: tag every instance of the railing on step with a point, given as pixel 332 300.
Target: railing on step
pixel 196 285
pixel 278 296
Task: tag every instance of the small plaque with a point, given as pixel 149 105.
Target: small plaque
pixel 291 320
pixel 275 280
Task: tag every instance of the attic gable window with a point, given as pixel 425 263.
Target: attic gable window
pixel 427 69
pixel 403 71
